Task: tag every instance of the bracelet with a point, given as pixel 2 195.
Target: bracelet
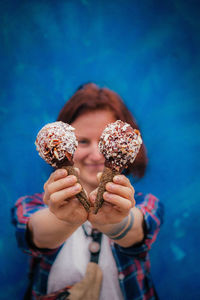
pixel 125 229
pixel 118 228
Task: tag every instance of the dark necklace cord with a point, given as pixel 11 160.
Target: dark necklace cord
pixel 95 244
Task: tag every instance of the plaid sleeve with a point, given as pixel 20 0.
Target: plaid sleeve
pixel 21 212
pixel 153 212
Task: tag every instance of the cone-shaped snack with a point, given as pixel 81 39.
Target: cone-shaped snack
pixel 120 144
pixel 56 144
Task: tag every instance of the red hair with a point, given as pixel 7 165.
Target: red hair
pixel 90 97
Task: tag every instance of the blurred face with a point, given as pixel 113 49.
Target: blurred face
pixel 88 129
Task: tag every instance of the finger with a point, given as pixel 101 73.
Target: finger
pixel 120 202
pixel 123 180
pixel 61 184
pixel 56 175
pixel 78 171
pixel 93 195
pixel 45 199
pixel 54 178
pixel 99 174
pixel 65 194
pixel 123 191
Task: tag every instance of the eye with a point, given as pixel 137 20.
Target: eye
pixel 83 141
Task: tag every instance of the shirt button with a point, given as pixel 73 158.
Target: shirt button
pixel 94 247
pixel 121 276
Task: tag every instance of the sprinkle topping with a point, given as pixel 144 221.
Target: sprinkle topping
pixel 120 144
pixel 56 143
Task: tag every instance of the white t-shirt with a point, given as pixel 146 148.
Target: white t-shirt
pixel 70 265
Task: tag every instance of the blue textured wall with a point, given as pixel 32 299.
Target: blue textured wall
pixel 149 52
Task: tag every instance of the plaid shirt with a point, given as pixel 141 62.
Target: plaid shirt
pixel 132 263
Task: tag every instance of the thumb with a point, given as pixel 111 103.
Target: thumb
pixel 92 196
pixel 77 170
pixel 99 174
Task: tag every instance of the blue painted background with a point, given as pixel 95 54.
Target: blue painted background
pixel 147 51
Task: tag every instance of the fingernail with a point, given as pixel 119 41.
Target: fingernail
pixel 62 172
pixel 92 198
pixel 116 178
pixel 106 195
pixel 77 187
pixel 110 186
pixel 72 178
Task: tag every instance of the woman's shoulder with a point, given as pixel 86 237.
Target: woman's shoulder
pixel 141 197
pixel 29 201
pixel 25 206
pixel 151 207
pixel 37 197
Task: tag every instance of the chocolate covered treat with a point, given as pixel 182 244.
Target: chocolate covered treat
pixel 56 144
pixel 120 144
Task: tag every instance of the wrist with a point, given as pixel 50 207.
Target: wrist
pixel 119 230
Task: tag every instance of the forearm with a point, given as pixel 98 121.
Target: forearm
pixel 47 231
pixel 128 232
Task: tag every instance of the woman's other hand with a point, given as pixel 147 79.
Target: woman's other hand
pixel 118 217
pixel 60 192
pixel 118 201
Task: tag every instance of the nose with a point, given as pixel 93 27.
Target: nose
pixel 95 154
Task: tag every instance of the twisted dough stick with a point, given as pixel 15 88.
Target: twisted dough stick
pixel 120 144
pixel 56 144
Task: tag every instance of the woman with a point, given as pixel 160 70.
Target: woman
pixel 56 230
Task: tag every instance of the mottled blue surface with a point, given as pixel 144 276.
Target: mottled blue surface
pixel 149 52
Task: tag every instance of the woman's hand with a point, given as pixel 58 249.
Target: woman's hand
pixel 60 192
pixel 118 201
